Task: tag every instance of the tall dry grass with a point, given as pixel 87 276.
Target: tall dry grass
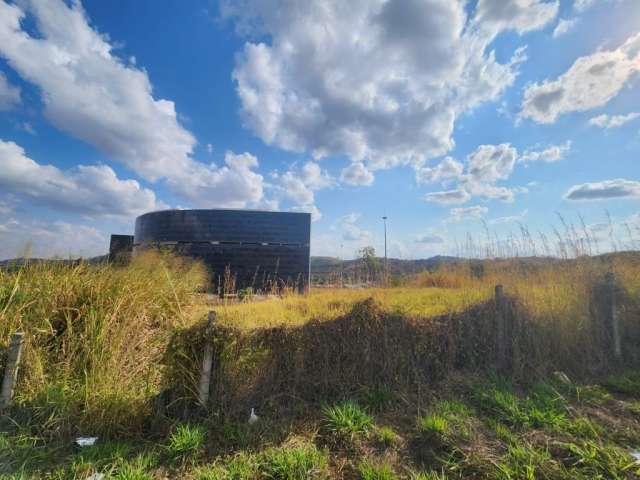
pixel 103 341
pixel 94 336
pixel 560 298
pixel 334 341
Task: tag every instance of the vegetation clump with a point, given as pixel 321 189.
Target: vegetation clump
pixel 347 421
pixel 116 352
pixel 95 335
pixel 186 441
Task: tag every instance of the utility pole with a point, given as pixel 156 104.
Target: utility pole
pixel 386 271
pixel 341 267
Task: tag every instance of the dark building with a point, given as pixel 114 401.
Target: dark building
pixel 120 248
pixel 241 248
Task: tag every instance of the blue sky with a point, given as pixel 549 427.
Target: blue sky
pixel 451 118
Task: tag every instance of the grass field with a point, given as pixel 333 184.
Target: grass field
pixel 327 304
pixel 470 429
pixel 376 383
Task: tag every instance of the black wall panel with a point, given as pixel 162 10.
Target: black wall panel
pixel 257 247
pixel 120 248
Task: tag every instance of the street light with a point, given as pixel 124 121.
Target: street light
pixel 341 267
pixel 386 271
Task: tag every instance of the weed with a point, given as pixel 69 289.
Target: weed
pixel 347 420
pixel 137 469
pixel 593 395
pixel 447 420
pixel 298 462
pixel 104 453
pixel 95 335
pixel 186 441
pixel 378 398
pixel 634 407
pixel 502 432
pixel 386 436
pixel 542 407
pixel 594 460
pixel 626 384
pixel 430 475
pixel 522 462
pixel 235 434
pixel 210 473
pixel 238 467
pixel 434 424
pixel 375 471
pixel 441 431
pixel 24 452
pixel 582 427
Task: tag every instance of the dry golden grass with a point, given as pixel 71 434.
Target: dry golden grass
pixel 557 291
pixel 94 336
pixel 327 304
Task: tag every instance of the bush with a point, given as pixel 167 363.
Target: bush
pixel 372 471
pixel 185 441
pixel 299 462
pixel 94 336
pixel 347 420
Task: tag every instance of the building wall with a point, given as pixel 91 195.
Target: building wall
pixel 258 248
pixel 120 248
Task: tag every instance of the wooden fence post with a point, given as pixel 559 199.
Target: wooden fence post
pixel 611 314
pixel 11 370
pixel 501 331
pixel 207 361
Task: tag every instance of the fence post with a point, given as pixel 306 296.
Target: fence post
pixel 11 370
pixel 611 314
pixel 207 361
pixel 501 332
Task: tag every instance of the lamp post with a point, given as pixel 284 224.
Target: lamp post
pixel 386 271
pixel 341 267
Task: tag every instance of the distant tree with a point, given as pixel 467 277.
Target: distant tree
pixel 369 261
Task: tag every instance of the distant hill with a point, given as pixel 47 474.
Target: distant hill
pixel 321 267
pixel 17 262
pixel 328 269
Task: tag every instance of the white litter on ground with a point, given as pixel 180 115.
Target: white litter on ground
pixel 96 476
pixel 636 456
pixel 86 441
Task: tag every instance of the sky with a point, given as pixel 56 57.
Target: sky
pixel 464 123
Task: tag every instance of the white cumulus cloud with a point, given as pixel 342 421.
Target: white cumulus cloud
pixel 50 239
pixel 9 94
pixel 92 190
pixel 484 168
pixel 591 82
pixel 487 165
pixel 613 121
pixel 357 174
pixel 582 5
pixel 519 15
pixel 430 238
pixel 564 26
pixel 352 232
pixel 605 190
pixel 448 197
pixel 234 185
pixel 300 185
pixel 461 213
pixel 509 218
pixel 446 169
pixel 551 154
pixel 93 95
pixel 380 81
